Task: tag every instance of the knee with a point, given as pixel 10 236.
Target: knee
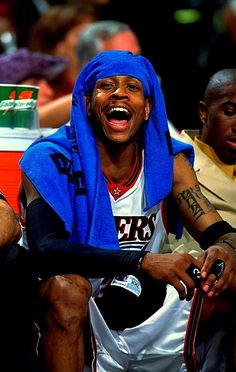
pixel 65 300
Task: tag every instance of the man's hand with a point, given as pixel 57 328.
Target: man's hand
pixel 211 285
pixel 172 268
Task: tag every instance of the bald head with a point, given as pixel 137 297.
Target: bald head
pixel 219 83
pixel 218 115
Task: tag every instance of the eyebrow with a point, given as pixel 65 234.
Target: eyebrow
pixel 229 102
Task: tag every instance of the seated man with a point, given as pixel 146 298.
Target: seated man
pixel 113 184
pixel 16 288
pixel 215 166
pixel 215 147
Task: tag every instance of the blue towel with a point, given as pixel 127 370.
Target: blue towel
pixel 65 167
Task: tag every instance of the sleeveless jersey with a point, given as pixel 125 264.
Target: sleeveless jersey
pixel 157 342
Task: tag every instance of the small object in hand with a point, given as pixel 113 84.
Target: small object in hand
pixel 195 273
pixel 218 268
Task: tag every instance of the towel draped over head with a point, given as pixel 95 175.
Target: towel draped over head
pixel 84 204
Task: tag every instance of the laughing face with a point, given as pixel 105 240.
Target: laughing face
pixel 118 108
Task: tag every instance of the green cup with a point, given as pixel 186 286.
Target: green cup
pixel 7 103
pixel 18 106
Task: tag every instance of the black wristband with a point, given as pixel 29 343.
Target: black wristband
pixel 140 260
pixel 212 233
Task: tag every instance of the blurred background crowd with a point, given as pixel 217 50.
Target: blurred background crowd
pixel 186 41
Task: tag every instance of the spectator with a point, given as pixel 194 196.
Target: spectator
pixel 56 33
pixel 28 68
pixel 105 35
pixel 106 179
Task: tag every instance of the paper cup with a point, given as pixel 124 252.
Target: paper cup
pixel 18 106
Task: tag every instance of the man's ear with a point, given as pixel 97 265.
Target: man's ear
pixel 87 101
pixel 147 109
pixel 203 112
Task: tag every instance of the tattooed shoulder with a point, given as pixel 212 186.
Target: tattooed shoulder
pixel 181 157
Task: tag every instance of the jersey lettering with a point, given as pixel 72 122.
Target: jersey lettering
pixel 135 228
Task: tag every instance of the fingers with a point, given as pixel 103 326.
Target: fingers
pixel 218 280
pixel 182 281
pixel 217 270
pixel 216 253
pixel 213 286
pixel 185 291
pixel 188 281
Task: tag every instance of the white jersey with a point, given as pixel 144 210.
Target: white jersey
pixel 137 227
pixel 157 344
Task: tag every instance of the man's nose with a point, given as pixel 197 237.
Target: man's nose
pixel 120 90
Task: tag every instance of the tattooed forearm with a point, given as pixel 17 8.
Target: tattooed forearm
pixel 194 198
pixel 208 204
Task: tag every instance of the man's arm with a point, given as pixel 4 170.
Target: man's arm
pixel 204 223
pixel 54 254
pixel 196 211
pixel 10 229
pixel 55 113
pixel 206 226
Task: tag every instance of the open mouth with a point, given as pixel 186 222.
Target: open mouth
pixel 118 116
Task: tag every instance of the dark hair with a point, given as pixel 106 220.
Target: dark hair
pixel 53 25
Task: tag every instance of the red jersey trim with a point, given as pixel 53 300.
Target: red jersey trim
pixel 119 189
pixel 190 337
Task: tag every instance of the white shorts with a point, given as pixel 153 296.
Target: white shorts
pixel 156 345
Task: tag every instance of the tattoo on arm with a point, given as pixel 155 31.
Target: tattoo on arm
pixel 191 197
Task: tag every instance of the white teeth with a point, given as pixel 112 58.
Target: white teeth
pixel 118 109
